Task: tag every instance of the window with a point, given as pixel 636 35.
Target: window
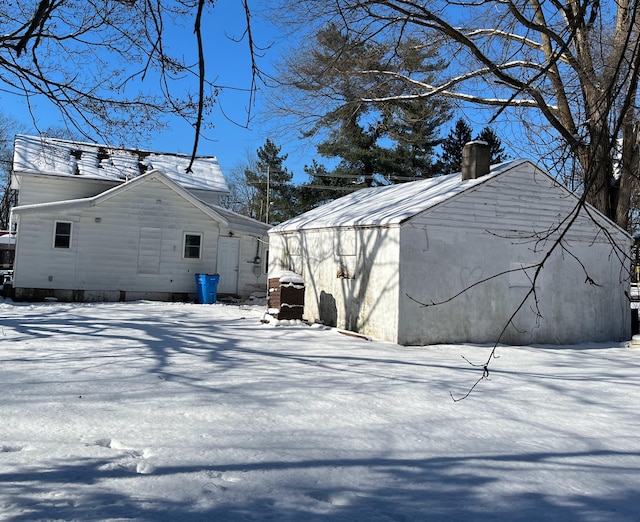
pixel 7 256
pixel 62 238
pixel 192 246
pixel 344 242
pixel 293 251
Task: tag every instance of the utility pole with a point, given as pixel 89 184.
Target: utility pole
pixel 268 191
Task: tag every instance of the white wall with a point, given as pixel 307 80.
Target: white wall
pixel 106 244
pixel 340 289
pixel 437 264
pixel 44 189
pixel 208 196
pixel 497 229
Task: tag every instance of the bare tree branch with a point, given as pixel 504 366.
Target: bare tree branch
pixel 105 66
pixel 572 63
pixel 201 76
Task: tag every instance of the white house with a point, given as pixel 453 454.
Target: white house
pixel 98 223
pixel 453 259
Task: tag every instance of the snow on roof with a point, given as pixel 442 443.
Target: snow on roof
pixel 389 205
pixel 55 157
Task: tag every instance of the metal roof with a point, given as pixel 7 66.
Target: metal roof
pixel 35 155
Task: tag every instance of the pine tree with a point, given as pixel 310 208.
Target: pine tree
pixel 374 141
pixel 323 186
pixel 273 195
pixel 495 145
pixel 450 160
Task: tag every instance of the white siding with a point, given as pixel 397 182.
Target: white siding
pixel 523 204
pixel 252 277
pixel 36 189
pixel 208 196
pixel 149 247
pixel 35 254
pixel 485 234
pixel 341 289
pixel 106 245
pixel 45 189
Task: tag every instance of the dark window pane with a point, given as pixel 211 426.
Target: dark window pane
pixel 192 246
pixel 63 235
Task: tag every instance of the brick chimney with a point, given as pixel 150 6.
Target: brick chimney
pixel 476 156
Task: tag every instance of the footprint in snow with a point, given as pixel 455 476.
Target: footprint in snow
pixel 140 465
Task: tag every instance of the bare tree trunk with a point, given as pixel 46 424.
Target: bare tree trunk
pixel 628 176
pixel 597 164
pixel 574 63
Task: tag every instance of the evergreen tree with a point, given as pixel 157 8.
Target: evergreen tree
pixel 374 141
pixel 413 127
pixel 450 160
pixel 272 193
pixel 323 186
pixel 495 145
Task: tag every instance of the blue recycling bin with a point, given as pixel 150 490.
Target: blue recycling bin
pixel 207 285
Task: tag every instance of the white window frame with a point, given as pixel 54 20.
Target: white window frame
pixel 184 245
pixel 55 234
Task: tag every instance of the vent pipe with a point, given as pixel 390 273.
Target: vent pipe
pixel 476 156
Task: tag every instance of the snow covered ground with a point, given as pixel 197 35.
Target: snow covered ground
pixel 183 412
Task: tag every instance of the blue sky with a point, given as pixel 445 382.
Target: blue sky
pixel 229 63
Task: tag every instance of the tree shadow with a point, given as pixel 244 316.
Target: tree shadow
pixel 91 341
pixel 459 488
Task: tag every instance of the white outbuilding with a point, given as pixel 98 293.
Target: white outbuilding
pixel 95 223
pixel 492 254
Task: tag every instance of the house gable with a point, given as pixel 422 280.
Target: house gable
pixel 522 202
pixel 78 204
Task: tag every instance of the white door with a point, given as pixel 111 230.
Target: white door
pixel 228 260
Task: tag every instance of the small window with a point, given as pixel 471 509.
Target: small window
pixel 192 246
pixel 62 238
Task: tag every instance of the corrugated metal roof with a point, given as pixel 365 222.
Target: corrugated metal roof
pixel 55 157
pixel 390 205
